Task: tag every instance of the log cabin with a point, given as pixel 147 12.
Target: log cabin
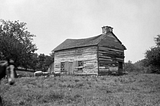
pixel 96 55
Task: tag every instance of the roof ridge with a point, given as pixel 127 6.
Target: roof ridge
pixel 85 38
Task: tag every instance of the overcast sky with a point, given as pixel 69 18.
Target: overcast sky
pixel 134 22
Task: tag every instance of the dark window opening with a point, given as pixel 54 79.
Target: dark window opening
pixel 62 66
pixel 120 65
pixel 80 65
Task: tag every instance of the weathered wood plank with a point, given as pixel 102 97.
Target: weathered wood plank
pixel 120 59
pixel 77 51
pixel 111 49
pixel 106 57
pixel 87 55
pixel 110 54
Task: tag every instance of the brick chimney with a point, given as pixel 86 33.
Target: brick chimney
pixel 106 29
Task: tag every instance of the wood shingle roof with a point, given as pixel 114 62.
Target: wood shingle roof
pixel 92 41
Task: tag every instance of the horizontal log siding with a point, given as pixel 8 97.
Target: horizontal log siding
pixel 87 54
pixel 108 57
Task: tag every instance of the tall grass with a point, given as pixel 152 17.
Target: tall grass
pixel 127 90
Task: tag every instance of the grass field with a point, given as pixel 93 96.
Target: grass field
pixel 126 90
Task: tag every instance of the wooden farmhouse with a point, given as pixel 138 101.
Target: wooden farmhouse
pixel 95 55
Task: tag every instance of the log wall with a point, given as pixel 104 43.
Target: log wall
pixel 77 61
pixel 110 59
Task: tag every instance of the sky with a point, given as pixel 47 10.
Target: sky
pixel 134 22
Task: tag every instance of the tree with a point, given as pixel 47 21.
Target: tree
pixel 141 66
pixel 16 42
pixel 33 64
pixel 44 61
pixel 153 56
pixel 157 40
pixel 129 67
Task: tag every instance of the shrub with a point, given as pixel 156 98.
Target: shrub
pixel 129 67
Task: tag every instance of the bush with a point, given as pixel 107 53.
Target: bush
pixel 129 67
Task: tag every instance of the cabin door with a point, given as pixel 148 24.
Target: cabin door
pixel 120 66
pixel 70 68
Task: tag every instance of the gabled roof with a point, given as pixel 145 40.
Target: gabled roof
pixel 75 43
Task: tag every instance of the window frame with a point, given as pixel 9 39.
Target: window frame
pixel 62 66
